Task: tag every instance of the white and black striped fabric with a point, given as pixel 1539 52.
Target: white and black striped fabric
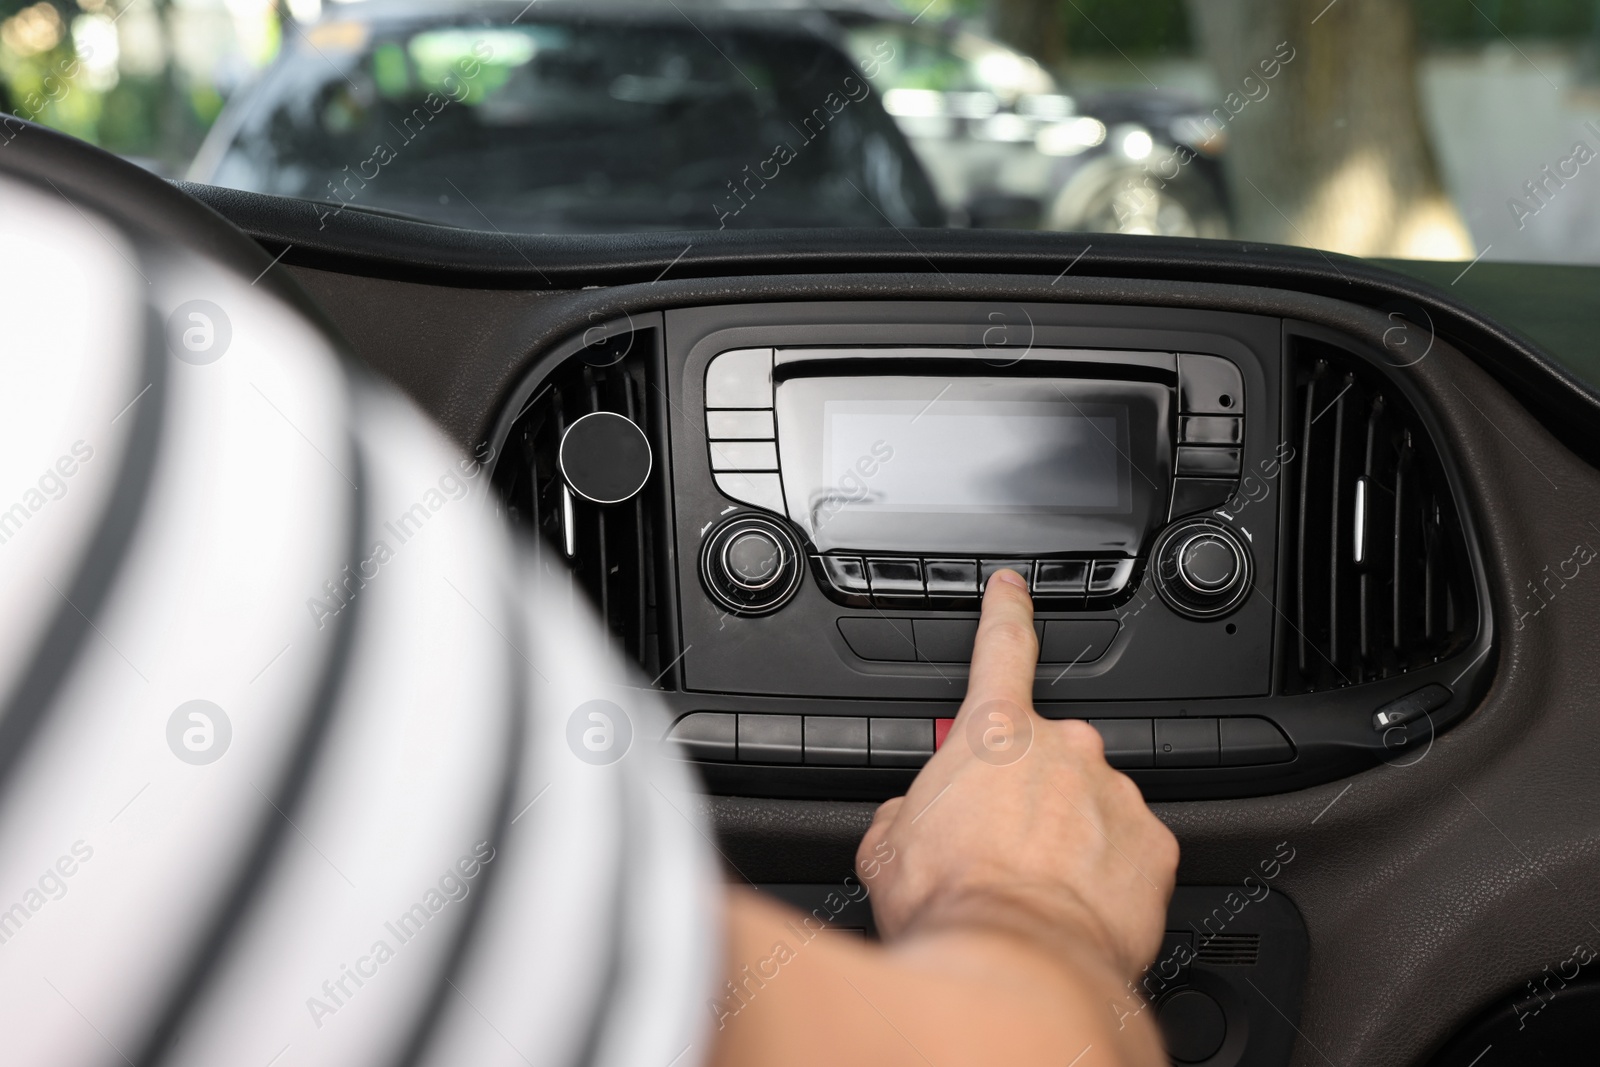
pixel 302 761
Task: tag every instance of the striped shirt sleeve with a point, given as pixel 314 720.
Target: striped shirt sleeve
pixel 303 760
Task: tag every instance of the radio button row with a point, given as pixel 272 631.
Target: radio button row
pixel 853 741
pixel 895 579
pixel 740 379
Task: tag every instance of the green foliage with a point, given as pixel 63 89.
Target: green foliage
pixel 130 119
pixel 1142 27
pixel 1483 21
pixel 1093 27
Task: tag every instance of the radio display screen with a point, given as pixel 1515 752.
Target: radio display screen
pixel 968 455
pixel 973 466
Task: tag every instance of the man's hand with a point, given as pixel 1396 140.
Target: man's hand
pixel 1019 886
pixel 1018 823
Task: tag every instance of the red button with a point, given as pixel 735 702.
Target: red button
pixel 941 730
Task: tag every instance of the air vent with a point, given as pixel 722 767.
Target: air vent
pixel 1229 950
pixel 1379 581
pixel 613 550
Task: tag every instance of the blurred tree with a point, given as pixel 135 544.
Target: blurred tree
pixel 1332 151
pixel 1032 26
pixel 1052 31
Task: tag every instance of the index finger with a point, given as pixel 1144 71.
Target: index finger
pixel 1006 651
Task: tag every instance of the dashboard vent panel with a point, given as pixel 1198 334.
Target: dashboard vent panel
pixel 615 552
pixel 1379 579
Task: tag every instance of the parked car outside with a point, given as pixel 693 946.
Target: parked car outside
pixel 1006 145
pixel 568 117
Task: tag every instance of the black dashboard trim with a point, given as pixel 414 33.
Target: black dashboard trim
pixel 384 246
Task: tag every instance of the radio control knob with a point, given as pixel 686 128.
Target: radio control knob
pixel 753 559
pixel 1207 563
pixel 1202 569
pixel 751 565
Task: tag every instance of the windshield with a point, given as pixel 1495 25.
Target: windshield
pixel 1400 129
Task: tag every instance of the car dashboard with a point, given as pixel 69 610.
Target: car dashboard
pixel 1290 522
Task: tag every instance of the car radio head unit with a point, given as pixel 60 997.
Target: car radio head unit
pixel 912 471
pixel 847 477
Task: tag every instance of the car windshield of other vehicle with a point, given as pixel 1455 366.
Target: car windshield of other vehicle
pixel 571 123
pixel 1401 129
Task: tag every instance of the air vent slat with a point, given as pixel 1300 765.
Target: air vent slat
pixel 1403 582
pixel 1336 523
pixel 1311 519
pixel 1381 580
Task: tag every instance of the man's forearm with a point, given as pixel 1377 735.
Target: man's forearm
pixel 944 995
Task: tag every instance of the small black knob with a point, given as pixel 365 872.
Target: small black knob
pixel 1207 563
pixel 753 559
pixel 1202 569
pixel 751 565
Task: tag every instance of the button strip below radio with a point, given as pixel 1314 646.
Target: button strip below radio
pixel 858 741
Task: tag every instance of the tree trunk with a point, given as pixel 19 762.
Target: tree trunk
pixel 1331 152
pixel 1033 27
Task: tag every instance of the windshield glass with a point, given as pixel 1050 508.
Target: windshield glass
pixel 1405 129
